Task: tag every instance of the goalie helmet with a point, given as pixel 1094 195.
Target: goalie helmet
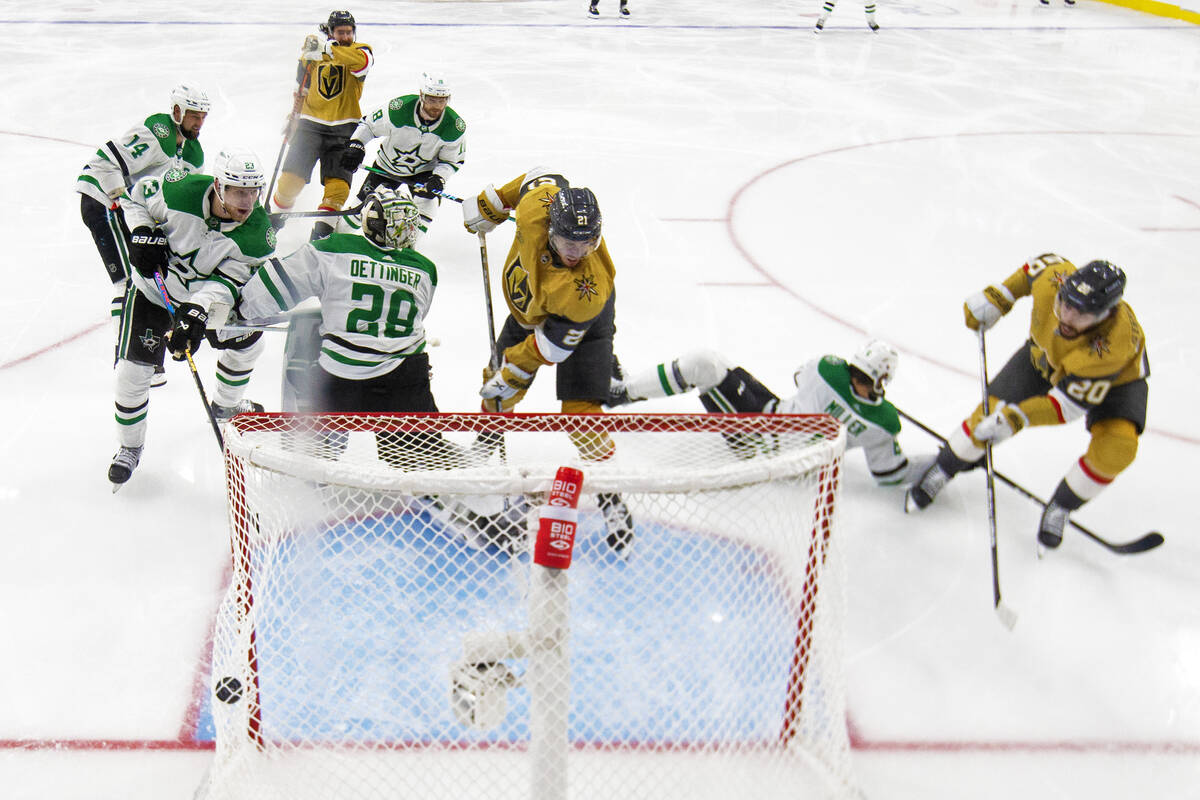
pixel 389 218
pixel 575 215
pixel 433 84
pixel 876 360
pixel 1094 288
pixel 187 97
pixel 336 20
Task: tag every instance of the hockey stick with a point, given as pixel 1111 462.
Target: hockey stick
pixel 421 186
pixel 279 216
pixel 489 438
pixel 1007 616
pixel 162 290
pixel 1147 542
pixel 287 133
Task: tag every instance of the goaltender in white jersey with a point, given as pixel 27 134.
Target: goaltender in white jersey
pixel 851 392
pixel 374 290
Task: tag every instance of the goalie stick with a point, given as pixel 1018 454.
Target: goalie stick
pixel 1146 542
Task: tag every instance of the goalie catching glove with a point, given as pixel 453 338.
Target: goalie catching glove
pixel 1001 424
pixel 148 251
pixel 188 331
pixel 481 214
pixel 984 309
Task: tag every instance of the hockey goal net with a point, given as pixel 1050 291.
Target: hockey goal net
pixel 389 630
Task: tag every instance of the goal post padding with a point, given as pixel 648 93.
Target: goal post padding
pixel 377 638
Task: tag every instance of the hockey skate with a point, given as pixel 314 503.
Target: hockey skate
pixel 320 230
pixel 921 493
pixel 226 413
pixel 123 465
pixel 593 11
pixel 617 520
pixel 873 25
pixel 820 26
pixel 159 378
pixel 1050 528
pixel 624 11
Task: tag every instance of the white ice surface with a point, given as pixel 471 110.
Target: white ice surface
pixel 766 192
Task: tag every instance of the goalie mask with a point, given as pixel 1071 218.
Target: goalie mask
pixel 238 179
pixel 877 361
pixel 389 218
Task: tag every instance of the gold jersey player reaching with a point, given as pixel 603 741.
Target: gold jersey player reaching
pixel 558 281
pixel 1085 357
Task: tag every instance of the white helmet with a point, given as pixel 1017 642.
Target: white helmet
pixel 389 218
pixel 877 360
pixel 433 84
pixel 187 97
pixel 238 166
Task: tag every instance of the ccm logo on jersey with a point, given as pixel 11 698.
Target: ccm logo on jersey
pixel 155 240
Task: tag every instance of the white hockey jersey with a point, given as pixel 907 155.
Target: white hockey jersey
pixel 373 301
pixel 410 146
pixel 823 386
pixel 210 258
pixel 146 150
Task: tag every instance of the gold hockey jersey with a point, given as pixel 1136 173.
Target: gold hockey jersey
pixel 555 302
pixel 1083 368
pixel 335 84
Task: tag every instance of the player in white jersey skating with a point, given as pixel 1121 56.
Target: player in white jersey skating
pixel 148 149
pixel 202 236
pixel 850 391
pixel 424 144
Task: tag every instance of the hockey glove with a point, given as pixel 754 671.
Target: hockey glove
pixel 504 383
pixel 983 309
pixel 148 251
pixel 353 155
pixel 1001 424
pixel 188 331
pixel 311 51
pixel 432 188
pixel 481 214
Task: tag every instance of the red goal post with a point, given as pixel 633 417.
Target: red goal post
pixel 386 633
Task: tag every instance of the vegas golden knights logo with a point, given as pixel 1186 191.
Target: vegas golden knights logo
pixel 331 79
pixel 516 285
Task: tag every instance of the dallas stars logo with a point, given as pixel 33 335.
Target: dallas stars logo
pixel 406 158
pixel 149 340
pixel 585 288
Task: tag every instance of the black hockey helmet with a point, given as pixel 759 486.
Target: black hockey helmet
pixel 575 215
pixel 1094 288
pixel 336 20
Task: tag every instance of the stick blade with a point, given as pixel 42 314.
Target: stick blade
pixel 1148 542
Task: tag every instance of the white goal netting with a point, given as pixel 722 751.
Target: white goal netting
pixel 389 633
